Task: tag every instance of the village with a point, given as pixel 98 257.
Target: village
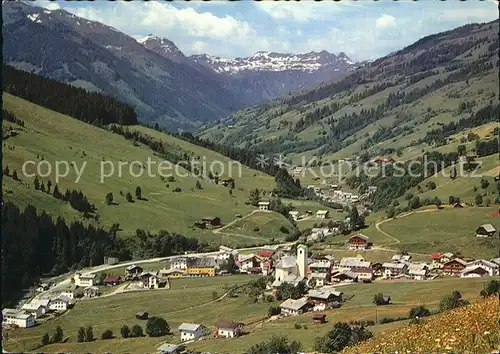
pixel 317 277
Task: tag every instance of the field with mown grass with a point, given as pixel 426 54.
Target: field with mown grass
pixel 190 301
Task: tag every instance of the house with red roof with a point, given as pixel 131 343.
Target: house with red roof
pixel 358 242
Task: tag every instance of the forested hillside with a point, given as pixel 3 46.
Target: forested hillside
pixel 409 101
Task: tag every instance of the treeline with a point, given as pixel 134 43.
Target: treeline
pixel 89 107
pixel 35 245
pixel 484 115
pixel 485 148
pixel 287 186
pixel 10 117
pixel 315 116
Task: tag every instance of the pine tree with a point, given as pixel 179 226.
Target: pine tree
pixel 129 198
pixel 198 185
pixel 49 184
pixel 36 183
pixel 89 334
pixel 45 339
pixel 80 337
pixel 138 192
pixel 14 176
pixel 56 192
pixel 6 171
pixel 42 187
pixel 109 198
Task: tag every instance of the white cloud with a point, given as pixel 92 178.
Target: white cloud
pixel 469 15
pixel 52 6
pixel 385 21
pixel 199 47
pixel 301 11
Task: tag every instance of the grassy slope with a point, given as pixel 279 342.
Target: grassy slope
pixel 121 309
pixel 55 137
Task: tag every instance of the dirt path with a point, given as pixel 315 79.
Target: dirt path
pixel 234 221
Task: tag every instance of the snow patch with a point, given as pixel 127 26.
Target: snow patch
pixel 33 17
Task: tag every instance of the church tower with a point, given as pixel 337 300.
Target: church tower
pixel 302 260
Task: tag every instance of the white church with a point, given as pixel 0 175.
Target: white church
pixel 291 269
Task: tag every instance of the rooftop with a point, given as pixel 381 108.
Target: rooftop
pixel 295 305
pixel 189 327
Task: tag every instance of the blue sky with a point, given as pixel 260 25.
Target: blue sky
pixel 362 29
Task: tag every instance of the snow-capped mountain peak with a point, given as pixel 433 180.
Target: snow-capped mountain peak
pixel 162 46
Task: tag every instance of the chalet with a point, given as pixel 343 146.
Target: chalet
pixel 320 272
pixel 418 271
pixel 267 266
pixel 454 266
pixel 324 299
pixel 358 242
pixel 266 253
pixel 59 304
pixel 473 272
pixel 496 261
pixel 490 267
pixel 264 206
pixel 392 270
pixel 248 261
pixel 446 257
pixel 353 263
pixel 141 315
pixel 133 270
pixel 191 331
pixel 225 253
pixel 293 307
pixel 72 292
pixel 85 279
pixel 201 267
pixel 319 318
pixel 211 221
pixel 345 276
pixel 112 280
pixel 486 230
pixel 229 329
pixel 322 214
pixel 365 275
pixel 294 214
pixel 167 348
pixel 400 258
pixel 171 273
pixel 36 308
pixel 91 291
pixel 17 318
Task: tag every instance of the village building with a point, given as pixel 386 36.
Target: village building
pixel 344 276
pixel 418 271
pixel 225 253
pixel 384 160
pixel 167 348
pixel 179 263
pixel 91 291
pixel 111 260
pixel 85 280
pixel 133 271
pixel 446 257
pixel 320 271
pixel 17 318
pixel 246 262
pixel 171 273
pixel 59 304
pixel 37 308
pixel 353 263
pixel 324 299
pixel 201 267
pixel 496 261
pixel 293 307
pixel 151 280
pixel 191 331
pixel 365 275
pixel 72 292
pixel 402 258
pixel 319 318
pixel 454 266
pixel 264 206
pixel 473 272
pixel 358 242
pixel 211 222
pixel 112 280
pixel 490 267
pixel 392 270
pixel 322 214
pixel 485 230
pixel 294 214
pixel 229 329
pixel 291 269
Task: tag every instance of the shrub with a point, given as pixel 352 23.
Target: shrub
pixel 157 326
pixel 107 334
pixel 125 331
pixel 136 331
pixel 177 190
pixel 297 326
pixel 419 311
pixel 273 311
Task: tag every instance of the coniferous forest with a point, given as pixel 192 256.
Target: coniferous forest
pixel 90 107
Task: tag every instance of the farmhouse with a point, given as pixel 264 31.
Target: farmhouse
pixel 72 292
pixel 324 299
pixel 322 214
pixel 133 270
pixel 358 242
pixel 191 331
pixel 17 318
pixel 320 272
pixel 151 280
pixel 293 307
pixel 85 279
pixel 473 272
pixel 59 304
pixel 364 274
pixel 202 266
pixel 211 221
pixel 346 276
pixel 111 260
pixel 247 262
pixel 36 308
pixel 454 266
pixel 401 258
pixel 229 329
pixel 171 273
pixel 91 291
pixel 490 267
pixel 446 257
pixel 418 271
pixel 226 252
pixel 486 230
pixel 392 270
pixel 264 206
pixel 112 280
pixel 352 263
pixel 167 348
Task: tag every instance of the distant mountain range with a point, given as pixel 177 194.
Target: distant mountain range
pixel 152 74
